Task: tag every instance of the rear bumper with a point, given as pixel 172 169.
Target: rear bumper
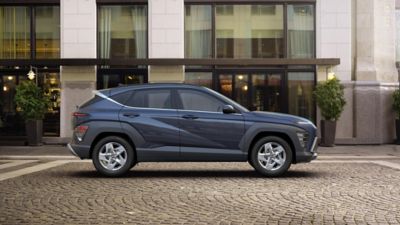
pixel 81 151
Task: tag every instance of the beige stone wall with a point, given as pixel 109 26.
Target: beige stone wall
pixel 166 74
pixel 77 85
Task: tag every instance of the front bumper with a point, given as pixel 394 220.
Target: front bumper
pixel 303 157
pixel 82 151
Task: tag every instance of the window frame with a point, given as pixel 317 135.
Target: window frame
pixel 100 3
pixel 284 3
pixel 31 5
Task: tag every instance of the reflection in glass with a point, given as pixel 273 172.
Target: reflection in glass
pixel 122 31
pixel 300 89
pixel 199 78
pixel 14 32
pixel 301 31
pixel 250 31
pixel 225 85
pixel 241 89
pixel 133 79
pixel 47 20
pixel 110 81
pixel 198 29
pixel 266 94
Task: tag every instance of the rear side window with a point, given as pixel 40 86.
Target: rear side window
pixel 197 101
pixel 155 98
pixel 91 101
pixel 122 98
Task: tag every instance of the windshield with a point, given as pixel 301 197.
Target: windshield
pixel 230 101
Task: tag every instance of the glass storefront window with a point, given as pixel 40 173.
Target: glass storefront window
pixel 300 92
pixel 301 34
pixel 199 78
pixel 122 31
pixel 198 31
pixel 250 31
pixel 242 89
pixel 15 32
pixel 47 20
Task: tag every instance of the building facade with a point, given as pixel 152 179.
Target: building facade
pixel 267 55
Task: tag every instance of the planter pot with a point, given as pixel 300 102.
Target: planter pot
pixel 328 133
pixel 34 131
pixel 398 132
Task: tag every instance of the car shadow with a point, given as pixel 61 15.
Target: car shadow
pixel 189 174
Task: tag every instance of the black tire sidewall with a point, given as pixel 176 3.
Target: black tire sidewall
pixel 129 161
pixel 254 156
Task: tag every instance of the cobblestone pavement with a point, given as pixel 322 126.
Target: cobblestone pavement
pixel 204 193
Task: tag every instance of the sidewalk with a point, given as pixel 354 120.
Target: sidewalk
pixel 350 150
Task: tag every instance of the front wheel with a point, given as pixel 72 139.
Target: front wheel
pixel 271 156
pixel 113 156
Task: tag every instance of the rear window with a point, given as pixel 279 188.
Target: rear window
pixel 91 101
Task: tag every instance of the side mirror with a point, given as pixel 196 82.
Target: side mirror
pixel 228 109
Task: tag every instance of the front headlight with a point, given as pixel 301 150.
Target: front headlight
pixel 306 122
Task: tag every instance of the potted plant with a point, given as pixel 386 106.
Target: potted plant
pixel 330 99
pixel 33 104
pixel 396 107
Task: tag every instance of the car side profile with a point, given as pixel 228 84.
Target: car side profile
pixel 123 126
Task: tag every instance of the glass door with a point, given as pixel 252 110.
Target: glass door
pixel 254 90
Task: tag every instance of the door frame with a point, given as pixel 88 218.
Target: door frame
pixel 283 104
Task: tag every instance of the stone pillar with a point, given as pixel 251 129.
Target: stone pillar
pixel 376 73
pixel 78 40
pixel 166 38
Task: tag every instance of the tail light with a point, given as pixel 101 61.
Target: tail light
pixel 79 114
pixel 80 132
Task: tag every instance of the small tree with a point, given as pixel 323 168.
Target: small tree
pixel 396 102
pixel 31 100
pixel 330 99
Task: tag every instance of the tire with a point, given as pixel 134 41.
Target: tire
pixel 113 156
pixel 275 165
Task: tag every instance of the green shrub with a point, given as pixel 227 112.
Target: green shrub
pixel 396 102
pixel 31 101
pixel 330 99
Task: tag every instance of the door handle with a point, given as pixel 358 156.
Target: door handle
pixel 131 115
pixel 190 117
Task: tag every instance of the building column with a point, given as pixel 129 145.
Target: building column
pixel 166 38
pixel 375 75
pixel 78 40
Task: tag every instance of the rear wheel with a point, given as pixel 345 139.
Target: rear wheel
pixel 113 156
pixel 271 156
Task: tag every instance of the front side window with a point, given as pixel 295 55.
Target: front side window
pixel 250 31
pixel 197 101
pixel 160 99
pixel 122 31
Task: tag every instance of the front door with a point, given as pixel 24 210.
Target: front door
pixel 206 133
pixel 259 91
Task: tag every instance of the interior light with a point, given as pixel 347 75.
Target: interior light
pixel 5 88
pixel 31 74
pixel 10 78
pixel 240 77
pixel 245 88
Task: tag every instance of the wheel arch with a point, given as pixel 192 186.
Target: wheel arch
pixel 263 134
pixel 107 134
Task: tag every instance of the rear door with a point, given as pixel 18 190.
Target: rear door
pixel 150 113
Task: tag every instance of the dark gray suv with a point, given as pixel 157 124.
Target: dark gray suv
pixel 123 126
